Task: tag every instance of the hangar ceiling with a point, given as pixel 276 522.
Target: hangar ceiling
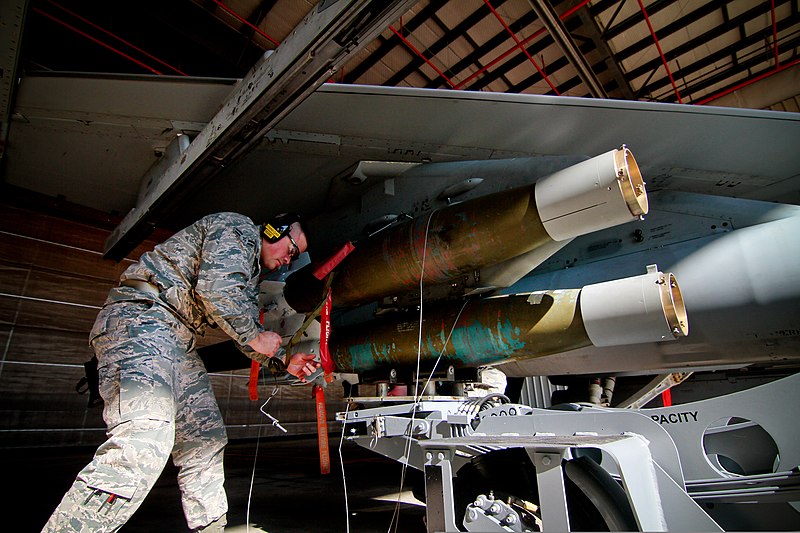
pixel 736 53
pixel 663 50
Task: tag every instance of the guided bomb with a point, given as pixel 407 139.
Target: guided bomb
pixel 482 331
pixel 449 242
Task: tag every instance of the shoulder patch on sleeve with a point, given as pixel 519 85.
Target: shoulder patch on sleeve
pixel 247 237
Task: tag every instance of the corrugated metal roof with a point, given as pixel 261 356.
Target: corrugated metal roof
pixel 661 50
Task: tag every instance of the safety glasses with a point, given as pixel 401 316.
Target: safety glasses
pixel 294 251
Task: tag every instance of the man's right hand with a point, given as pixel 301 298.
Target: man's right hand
pixel 302 365
pixel 267 343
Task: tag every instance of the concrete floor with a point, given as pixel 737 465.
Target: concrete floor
pixel 289 494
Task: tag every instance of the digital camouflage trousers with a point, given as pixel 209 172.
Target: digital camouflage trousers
pixel 158 402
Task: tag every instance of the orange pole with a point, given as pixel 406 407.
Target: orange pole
pixel 322 430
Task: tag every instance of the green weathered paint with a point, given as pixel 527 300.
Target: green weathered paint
pixel 487 331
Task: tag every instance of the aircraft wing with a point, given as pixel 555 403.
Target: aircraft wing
pixel 92 140
pixel 107 131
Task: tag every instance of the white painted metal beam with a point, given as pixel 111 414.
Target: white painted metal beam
pixel 314 50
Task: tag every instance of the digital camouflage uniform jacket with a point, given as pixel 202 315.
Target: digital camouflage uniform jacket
pixel 206 274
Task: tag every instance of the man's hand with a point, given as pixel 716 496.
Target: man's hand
pixel 302 365
pixel 267 343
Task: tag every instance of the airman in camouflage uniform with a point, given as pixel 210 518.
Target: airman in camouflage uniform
pixel 158 397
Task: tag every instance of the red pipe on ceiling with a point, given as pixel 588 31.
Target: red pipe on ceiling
pixel 519 45
pixel 95 26
pixel 499 58
pixel 243 20
pixel 95 40
pixel 525 41
pixel 660 52
pixel 745 83
pixel 414 49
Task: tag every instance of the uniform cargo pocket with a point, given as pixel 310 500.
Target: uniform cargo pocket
pixel 137 388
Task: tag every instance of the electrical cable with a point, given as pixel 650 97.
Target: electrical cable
pixel 255 458
pixel 252 479
pixel 407 449
pixel 394 523
pixel 117 37
pixel 341 462
pixel 97 41
pixel 421 281
pixel 413 414
pixel 444 347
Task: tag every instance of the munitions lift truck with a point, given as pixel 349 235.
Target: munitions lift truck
pixel 726 463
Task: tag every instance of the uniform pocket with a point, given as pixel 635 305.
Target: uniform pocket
pixel 139 411
pixel 113 319
pixel 137 388
pixel 101 324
